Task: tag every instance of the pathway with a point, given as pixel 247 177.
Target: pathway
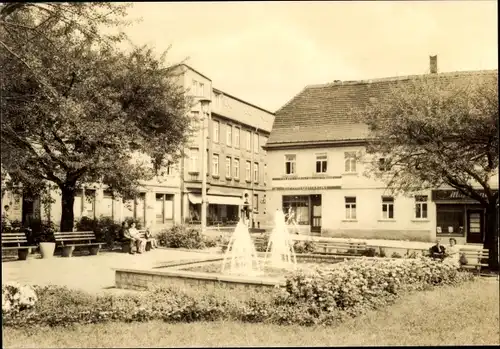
pixel 88 273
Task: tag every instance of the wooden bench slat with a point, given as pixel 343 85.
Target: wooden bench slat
pixel 17 247
pixel 13 234
pixel 74 232
pixel 70 235
pixel 90 244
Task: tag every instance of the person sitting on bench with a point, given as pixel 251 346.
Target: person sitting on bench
pixel 133 234
pixel 149 236
pixel 438 251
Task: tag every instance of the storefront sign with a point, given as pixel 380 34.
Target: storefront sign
pixel 438 195
pixel 308 188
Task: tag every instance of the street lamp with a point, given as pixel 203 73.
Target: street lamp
pixel 205 110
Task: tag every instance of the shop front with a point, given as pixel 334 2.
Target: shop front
pixel 459 217
pixel 222 210
pixel 303 210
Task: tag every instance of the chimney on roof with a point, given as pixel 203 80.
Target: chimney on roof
pixel 433 63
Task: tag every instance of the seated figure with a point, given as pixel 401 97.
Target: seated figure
pixel 437 251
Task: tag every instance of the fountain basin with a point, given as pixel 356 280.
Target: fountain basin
pixel 206 274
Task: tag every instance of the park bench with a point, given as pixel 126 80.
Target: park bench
pixel 16 241
pixel 474 258
pixel 68 241
pixel 142 234
pixel 340 247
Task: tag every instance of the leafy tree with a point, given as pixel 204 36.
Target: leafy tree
pixel 439 131
pixel 76 110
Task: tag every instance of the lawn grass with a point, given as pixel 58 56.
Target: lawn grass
pixel 462 315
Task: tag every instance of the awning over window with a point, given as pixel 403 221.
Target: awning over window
pixel 224 200
pixel 216 199
pixel 194 198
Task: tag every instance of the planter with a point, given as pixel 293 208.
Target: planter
pixel 47 249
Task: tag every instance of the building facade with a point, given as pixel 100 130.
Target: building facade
pixel 235 132
pixel 315 148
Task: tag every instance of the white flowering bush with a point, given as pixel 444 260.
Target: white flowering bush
pixel 17 297
pixel 366 281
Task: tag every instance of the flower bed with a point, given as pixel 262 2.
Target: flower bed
pixel 323 295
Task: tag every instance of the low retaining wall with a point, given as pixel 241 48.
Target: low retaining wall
pixel 146 279
pixel 409 235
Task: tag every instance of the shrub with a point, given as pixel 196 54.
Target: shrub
pixel 322 296
pixel 130 220
pixel 105 228
pixel 16 298
pixel 304 246
pixel 382 252
pixel 181 236
pixel 357 285
pixel 396 255
pixel 38 230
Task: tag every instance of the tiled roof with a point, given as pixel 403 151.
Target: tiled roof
pixel 322 112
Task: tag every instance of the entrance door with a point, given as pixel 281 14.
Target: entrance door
pixel 475 226
pixel 316 213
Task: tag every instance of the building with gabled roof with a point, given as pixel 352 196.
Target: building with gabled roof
pixel 316 173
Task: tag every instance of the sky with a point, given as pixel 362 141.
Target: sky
pixel 267 52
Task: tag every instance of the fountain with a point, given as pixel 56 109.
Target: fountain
pixel 279 252
pixel 241 255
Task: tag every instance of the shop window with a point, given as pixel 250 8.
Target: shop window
pixel 300 207
pixel 450 219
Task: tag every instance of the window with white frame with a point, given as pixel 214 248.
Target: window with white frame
pixel 170 170
pixel 321 163
pixel 256 172
pixel 248 171
pixel 350 207
pixel 228 167
pixel 236 173
pixel 215 165
pixel 255 142
pixel 387 207
pixel 237 137
pixel 193 160
pixel 164 208
pixel 216 126
pixel 421 206
pixel 350 162
pixel 248 140
pixel 229 134
pixel 290 163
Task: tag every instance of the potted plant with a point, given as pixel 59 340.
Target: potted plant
pixel 47 244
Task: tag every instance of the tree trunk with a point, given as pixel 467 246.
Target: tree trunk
pixel 67 202
pixel 491 237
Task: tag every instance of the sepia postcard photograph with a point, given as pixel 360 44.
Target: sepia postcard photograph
pixel 249 174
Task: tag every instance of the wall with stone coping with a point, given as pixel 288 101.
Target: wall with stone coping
pixel 146 279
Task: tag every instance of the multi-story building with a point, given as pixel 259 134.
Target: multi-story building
pixel 235 132
pixel 315 171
